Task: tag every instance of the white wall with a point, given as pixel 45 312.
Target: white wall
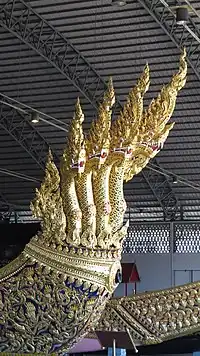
pixel 160 271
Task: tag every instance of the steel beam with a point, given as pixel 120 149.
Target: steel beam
pixel 5 205
pixel 159 185
pixel 19 127
pixel 31 28
pixel 187 36
pixel 6 209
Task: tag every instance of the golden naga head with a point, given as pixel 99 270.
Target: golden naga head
pixel 67 273
pixel 91 206
pixel 154 128
pixel 74 156
pixel 82 206
pixel 125 130
pixel 98 139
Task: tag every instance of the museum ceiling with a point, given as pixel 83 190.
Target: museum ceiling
pixel 100 40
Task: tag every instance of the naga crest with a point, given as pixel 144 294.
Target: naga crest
pixel 55 292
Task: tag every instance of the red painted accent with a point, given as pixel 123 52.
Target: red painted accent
pixel 103 155
pixel 81 164
pixel 129 273
pixel 154 147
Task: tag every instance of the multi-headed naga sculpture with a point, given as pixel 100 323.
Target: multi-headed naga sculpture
pixel 57 290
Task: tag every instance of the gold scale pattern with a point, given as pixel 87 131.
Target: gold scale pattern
pixel 155 316
pixel 55 292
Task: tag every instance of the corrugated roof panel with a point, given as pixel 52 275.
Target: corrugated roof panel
pixel 118 42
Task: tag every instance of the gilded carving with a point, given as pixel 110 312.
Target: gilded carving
pixel 155 316
pixel 55 292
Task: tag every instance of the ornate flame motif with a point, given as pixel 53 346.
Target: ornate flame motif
pixel 55 292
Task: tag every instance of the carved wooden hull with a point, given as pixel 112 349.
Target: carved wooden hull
pixel 154 317
pixel 45 312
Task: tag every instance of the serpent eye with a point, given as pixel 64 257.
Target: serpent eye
pixel 118 276
pixel 103 155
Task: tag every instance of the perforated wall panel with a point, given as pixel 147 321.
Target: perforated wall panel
pixel 187 237
pixel 148 238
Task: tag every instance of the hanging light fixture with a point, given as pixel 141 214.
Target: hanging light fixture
pixel 119 2
pixel 174 180
pixel 181 15
pixel 35 117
